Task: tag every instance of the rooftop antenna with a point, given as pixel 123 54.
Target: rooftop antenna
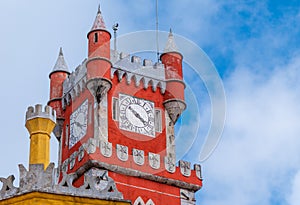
pixel 115 28
pixel 157 46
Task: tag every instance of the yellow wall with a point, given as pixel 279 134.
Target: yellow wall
pixel 37 198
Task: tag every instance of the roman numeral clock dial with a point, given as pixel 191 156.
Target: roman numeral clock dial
pixel 78 124
pixel 136 115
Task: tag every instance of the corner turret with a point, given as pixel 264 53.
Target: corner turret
pixel 174 96
pixel 58 75
pixel 99 38
pixel 40 124
pixel 98 64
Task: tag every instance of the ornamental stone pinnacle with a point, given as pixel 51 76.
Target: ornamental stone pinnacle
pixel 40 124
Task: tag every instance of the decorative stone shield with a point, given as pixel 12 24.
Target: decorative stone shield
pixel 197 168
pixel 138 156
pixel 80 153
pixel 170 164
pixel 122 152
pixel 185 168
pixel 106 148
pixel 73 159
pixel 91 146
pixel 154 160
pixel 64 165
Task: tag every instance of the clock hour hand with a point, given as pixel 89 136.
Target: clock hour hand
pixel 78 124
pixel 137 115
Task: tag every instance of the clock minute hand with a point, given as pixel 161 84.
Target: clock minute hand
pixel 137 115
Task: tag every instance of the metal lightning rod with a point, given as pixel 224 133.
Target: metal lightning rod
pixel 157 45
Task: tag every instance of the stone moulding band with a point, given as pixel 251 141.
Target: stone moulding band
pixel 177 81
pixel 135 173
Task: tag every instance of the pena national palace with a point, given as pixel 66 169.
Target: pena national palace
pixel 114 119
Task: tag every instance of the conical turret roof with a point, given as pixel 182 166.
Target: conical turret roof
pixel 60 64
pixel 170 46
pixel 99 22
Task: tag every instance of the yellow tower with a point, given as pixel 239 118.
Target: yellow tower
pixel 40 124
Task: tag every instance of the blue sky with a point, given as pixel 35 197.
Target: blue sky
pixel 255 48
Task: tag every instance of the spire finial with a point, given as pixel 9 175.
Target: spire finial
pixel 171 33
pixel 99 10
pixel 60 51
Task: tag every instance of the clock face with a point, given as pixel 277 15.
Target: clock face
pixel 78 124
pixel 136 115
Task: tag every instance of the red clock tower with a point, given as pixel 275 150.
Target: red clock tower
pixel 117 115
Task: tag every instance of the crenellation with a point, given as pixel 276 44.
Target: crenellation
pixel 123 55
pixel 75 78
pixel 137 78
pixel 73 86
pixel 37 111
pixel 136 59
pixel 147 62
pixel 159 66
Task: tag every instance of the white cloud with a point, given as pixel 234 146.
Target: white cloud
pixel 294 198
pixel 260 145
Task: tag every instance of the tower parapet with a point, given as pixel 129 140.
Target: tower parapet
pixel 40 124
pixel 134 68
